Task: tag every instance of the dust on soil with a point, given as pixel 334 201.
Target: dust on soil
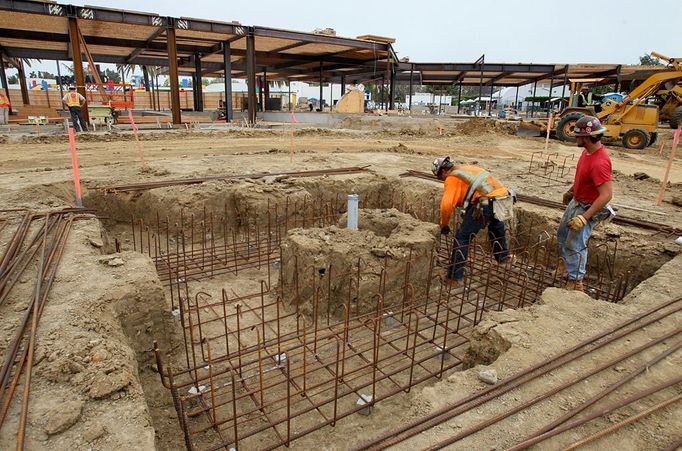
pixel 36 174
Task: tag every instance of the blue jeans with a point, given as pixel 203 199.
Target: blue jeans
pixel 471 224
pixel 573 244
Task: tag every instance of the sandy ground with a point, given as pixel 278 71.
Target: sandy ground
pixel 36 174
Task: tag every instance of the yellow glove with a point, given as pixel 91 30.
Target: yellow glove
pixel 576 223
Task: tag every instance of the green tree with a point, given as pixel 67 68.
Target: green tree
pixel 648 60
pixel 12 80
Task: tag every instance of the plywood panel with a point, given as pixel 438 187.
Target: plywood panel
pixel 116 30
pixel 265 44
pixel 35 22
pixel 202 35
pixel 316 49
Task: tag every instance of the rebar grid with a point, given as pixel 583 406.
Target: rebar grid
pixel 259 372
pixel 551 167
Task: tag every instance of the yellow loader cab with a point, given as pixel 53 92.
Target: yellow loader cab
pixel 630 119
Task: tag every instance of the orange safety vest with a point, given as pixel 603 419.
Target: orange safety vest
pixel 480 183
pixel 4 101
pixel 72 99
pixel 464 185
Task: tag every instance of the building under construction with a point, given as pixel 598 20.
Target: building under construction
pixel 254 285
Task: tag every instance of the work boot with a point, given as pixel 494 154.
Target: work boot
pixel 452 283
pixel 574 285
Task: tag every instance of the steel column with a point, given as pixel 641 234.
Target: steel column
pixel 549 102
pixel 411 84
pixel 480 81
pixel 383 99
pixel 516 98
pixel 459 96
pixel 61 86
pixel 391 88
pixel 321 64
pixel 77 60
pixel 563 89
pixel 198 89
pixel 3 77
pixel 23 83
pixel 173 72
pixel 251 73
pixel 343 85
pixel 490 102
pixel 289 86
pixel 535 87
pixel 266 89
pixel 227 64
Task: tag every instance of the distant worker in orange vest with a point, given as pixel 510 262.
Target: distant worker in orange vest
pixel 74 101
pixel 485 202
pixel 5 106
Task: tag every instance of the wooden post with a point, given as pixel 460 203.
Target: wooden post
pixel 664 182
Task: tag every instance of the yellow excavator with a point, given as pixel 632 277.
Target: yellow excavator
pixel 630 119
pixel 670 103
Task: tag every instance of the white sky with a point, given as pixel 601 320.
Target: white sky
pixel 528 31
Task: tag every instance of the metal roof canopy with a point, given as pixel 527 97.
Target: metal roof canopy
pixel 40 31
pixel 500 74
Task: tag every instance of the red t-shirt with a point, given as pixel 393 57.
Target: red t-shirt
pixel 592 171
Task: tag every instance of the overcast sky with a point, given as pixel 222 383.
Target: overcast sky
pixel 528 31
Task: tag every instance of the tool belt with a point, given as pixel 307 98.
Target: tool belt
pixel 503 207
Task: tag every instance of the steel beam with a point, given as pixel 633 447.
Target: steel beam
pixel 77 59
pixel 173 72
pixel 227 64
pixel 251 74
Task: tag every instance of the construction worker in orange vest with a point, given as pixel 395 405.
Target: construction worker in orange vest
pixel 74 101
pixel 486 203
pixel 5 107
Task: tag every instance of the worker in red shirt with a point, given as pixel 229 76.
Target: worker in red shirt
pixel 485 202
pixel 587 200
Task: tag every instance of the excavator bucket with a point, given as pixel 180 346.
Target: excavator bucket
pixel 529 129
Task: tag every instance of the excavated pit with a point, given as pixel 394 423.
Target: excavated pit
pixel 254 277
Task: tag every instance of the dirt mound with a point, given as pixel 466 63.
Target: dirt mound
pixel 368 261
pixel 116 136
pixel 479 125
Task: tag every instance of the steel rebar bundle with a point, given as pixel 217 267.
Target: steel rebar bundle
pixel 44 247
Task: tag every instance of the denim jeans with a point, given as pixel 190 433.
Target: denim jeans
pixel 471 225
pixel 573 244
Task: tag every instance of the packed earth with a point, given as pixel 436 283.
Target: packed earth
pixel 112 329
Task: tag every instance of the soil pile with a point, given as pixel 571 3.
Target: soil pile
pixel 478 126
pixel 333 266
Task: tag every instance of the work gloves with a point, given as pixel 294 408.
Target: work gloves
pixel 576 223
pixel 445 230
pixel 568 196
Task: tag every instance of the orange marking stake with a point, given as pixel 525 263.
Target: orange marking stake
pixel 549 127
pixel 664 182
pixel 138 144
pixel 74 164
